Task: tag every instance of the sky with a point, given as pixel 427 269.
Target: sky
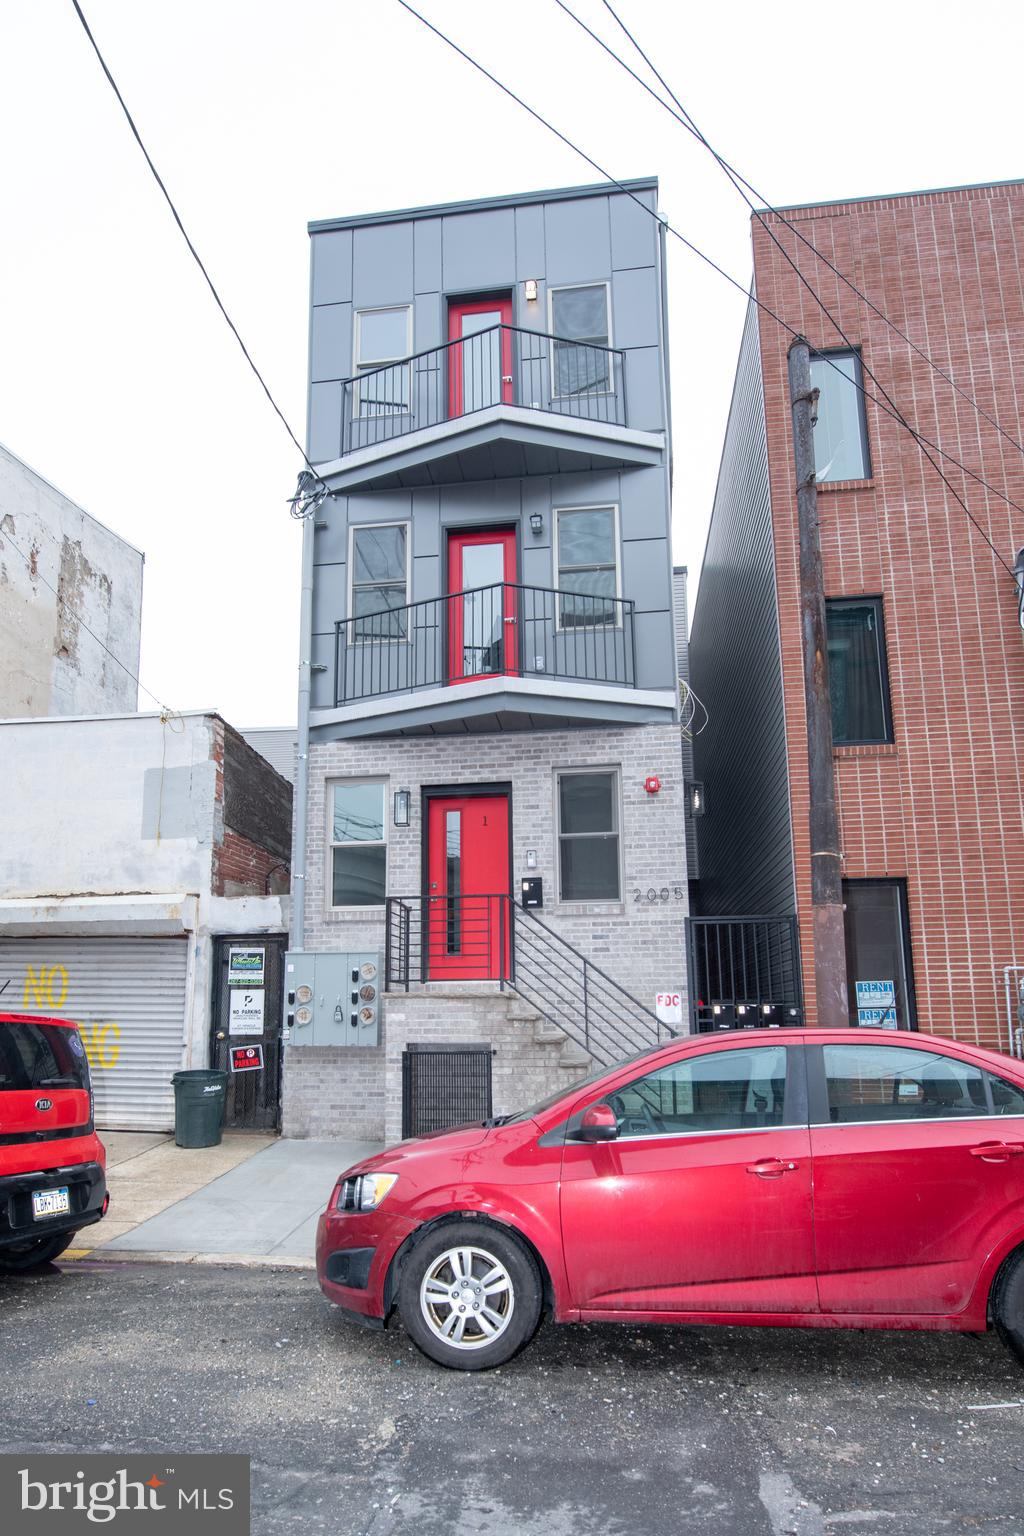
pixel 121 383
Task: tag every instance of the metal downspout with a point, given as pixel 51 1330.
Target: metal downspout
pixel 298 935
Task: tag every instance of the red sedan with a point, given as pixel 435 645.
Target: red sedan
pixel 825 1178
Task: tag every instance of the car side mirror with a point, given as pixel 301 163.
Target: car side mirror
pixel 598 1124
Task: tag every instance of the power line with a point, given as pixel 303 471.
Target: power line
pixel 739 181
pixel 734 178
pixel 709 261
pixel 63 604
pixel 185 235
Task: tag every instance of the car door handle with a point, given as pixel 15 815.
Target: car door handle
pixel 997 1151
pixel 770 1168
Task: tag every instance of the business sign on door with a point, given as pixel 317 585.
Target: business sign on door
pixel 246 1058
pixel 246 965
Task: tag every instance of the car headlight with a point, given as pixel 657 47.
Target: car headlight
pixel 365 1191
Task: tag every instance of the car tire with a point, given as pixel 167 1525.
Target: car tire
pixel 470 1295
pixel 41 1250
pixel 1008 1305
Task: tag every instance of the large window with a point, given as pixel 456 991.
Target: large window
pixel 380 576
pixel 840 437
pixel 382 337
pixel 858 672
pixel 588 836
pixel 586 554
pixel 358 836
pixel 879 973
pixel 890 1082
pixel 739 1090
pixel 579 315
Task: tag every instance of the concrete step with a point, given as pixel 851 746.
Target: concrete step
pixel 546 1033
pixel 573 1057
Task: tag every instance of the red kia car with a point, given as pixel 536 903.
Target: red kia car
pixel 52 1163
pixel 834 1178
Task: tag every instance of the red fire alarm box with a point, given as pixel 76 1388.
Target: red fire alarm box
pixel 652 784
pixel 246 1058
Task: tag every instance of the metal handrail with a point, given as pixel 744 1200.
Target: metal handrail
pixel 458 341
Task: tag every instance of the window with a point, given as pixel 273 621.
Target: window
pixel 741 1090
pixel 890 1082
pixel 579 317
pixel 840 436
pixel 858 672
pixel 382 337
pixel 380 575
pixel 879 972
pixel 586 553
pixel 358 843
pixel 588 836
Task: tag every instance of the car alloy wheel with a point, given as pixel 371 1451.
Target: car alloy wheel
pixel 467 1298
pixel 470 1294
pixel 34 1253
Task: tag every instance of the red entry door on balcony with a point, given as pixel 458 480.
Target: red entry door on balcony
pixel 467 888
pixel 480 361
pixel 482 605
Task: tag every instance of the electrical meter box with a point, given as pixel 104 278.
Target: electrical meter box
pixel 332 998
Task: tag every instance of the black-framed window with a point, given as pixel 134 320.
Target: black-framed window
pixel 858 671
pixel 879 967
pixel 841 434
pixel 588 836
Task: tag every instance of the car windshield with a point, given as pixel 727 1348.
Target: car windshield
pixel 41 1056
pixel 555 1098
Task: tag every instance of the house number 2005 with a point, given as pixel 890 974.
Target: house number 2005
pixel 664 893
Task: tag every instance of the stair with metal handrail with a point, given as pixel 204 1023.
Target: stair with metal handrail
pixel 436 939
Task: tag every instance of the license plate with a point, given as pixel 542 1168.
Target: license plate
pixel 50 1202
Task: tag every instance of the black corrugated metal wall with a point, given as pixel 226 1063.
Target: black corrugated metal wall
pixel 744 839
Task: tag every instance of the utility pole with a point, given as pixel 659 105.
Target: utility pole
pixel 826 855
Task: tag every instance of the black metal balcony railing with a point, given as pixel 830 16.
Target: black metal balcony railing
pixel 491 937
pixel 501 365
pixel 501 630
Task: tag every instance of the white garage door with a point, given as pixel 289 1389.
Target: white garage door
pixel 128 998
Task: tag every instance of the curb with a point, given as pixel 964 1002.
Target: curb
pixel 84 1256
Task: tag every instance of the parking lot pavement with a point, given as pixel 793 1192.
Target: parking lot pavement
pixel 596 1431
pixel 265 1205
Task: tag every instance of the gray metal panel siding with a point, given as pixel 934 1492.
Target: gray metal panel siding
pixel 745 837
pixel 682 621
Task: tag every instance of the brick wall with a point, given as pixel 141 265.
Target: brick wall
pixel 252 819
pixel 942 806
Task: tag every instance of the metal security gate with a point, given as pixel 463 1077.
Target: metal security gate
pixel 127 997
pixel 444 1086
pixel 247 1010
pixel 744 972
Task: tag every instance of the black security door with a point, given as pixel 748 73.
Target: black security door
pixel 247 999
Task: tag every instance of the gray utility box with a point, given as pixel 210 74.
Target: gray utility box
pixel 332 999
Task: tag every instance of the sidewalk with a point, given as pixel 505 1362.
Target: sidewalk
pixel 253 1199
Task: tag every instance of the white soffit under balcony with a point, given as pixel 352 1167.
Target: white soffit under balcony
pixel 498 704
pixel 501 441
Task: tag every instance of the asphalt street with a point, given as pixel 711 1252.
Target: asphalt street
pixel 621 1431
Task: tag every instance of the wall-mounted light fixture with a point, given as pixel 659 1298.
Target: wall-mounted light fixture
pixel 694 797
pixel 536 522
pixel 530 290
pixel 403 807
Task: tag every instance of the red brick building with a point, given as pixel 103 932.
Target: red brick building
pixel 926 652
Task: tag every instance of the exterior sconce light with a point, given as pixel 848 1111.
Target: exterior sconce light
pixel 536 522
pixel 403 807
pixel 694 797
pixel 530 290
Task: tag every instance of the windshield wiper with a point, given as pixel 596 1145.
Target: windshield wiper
pixel 58 1082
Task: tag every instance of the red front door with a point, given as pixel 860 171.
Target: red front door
pixel 482 609
pixel 467 888
pixel 480 362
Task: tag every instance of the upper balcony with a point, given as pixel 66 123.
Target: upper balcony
pixel 502 401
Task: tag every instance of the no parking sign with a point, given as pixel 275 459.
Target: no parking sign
pixel 246 1058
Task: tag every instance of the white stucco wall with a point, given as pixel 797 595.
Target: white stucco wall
pixel 49 663
pixel 101 818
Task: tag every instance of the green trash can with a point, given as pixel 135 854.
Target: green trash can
pixel 199 1107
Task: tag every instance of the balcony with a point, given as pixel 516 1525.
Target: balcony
pixel 504 401
pixel 489 633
